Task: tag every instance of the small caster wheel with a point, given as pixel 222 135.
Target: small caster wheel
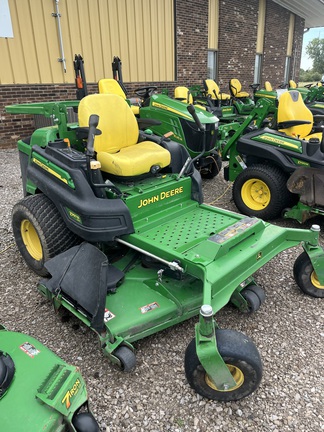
pixel 242 359
pixel 255 296
pixel 306 277
pixel 126 357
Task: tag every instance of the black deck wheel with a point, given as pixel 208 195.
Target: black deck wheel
pixel 241 357
pixel 306 277
pixel 126 357
pixel 255 296
pixel 40 231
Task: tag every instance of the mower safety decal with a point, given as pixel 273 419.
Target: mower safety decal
pixel 108 315
pixel 179 113
pixel 53 169
pixel 29 349
pixel 161 196
pixel 149 307
pixel 70 393
pixel 280 142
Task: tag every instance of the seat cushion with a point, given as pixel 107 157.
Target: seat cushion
pixel 242 94
pixel 134 160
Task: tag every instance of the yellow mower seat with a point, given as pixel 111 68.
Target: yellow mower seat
pixel 236 89
pixel 291 107
pixel 183 94
pixel 117 148
pixel 213 90
pixel 111 86
pixel 292 84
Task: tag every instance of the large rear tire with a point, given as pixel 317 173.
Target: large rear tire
pixel 261 191
pixel 40 231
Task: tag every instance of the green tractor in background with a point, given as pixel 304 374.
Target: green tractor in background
pixel 38 390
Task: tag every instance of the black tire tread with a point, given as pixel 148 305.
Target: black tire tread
pixel 303 269
pixel 276 180
pixel 230 343
pixel 54 235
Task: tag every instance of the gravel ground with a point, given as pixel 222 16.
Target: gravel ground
pixel 288 331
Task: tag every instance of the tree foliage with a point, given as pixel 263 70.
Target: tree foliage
pixel 315 50
pixel 309 76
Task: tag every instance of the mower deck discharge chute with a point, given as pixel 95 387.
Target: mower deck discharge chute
pixel 140 252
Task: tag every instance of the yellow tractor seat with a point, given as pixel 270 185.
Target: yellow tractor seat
pixel 268 86
pixel 117 147
pixel 292 84
pixel 291 108
pixel 111 86
pixel 183 94
pixel 236 89
pixel 213 90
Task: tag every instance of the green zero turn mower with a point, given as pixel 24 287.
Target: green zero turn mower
pixel 312 95
pixel 272 166
pixel 38 390
pixel 113 219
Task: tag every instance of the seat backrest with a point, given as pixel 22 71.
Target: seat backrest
pixel 183 94
pixel 110 86
pixel 235 86
pixel 212 88
pixel 116 121
pixel 291 107
pixel 292 84
pixel 268 86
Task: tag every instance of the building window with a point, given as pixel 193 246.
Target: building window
pixel 287 69
pixel 212 65
pixel 257 68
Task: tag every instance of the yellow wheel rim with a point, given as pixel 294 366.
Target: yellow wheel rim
pixel 237 375
pixel 315 281
pixel 255 194
pixel 31 240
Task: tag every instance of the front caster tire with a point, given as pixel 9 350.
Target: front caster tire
pixel 126 357
pixel 241 357
pixel 261 191
pixel 306 277
pixel 40 232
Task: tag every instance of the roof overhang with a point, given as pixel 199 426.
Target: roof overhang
pixel 311 10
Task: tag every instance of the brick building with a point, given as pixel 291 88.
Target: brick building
pixel 161 42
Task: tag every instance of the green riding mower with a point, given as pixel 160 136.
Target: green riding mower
pixel 113 220
pixel 262 161
pixel 233 106
pixel 312 95
pixel 38 390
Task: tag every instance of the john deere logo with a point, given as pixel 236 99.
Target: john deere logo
pixel 161 196
pixel 70 393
